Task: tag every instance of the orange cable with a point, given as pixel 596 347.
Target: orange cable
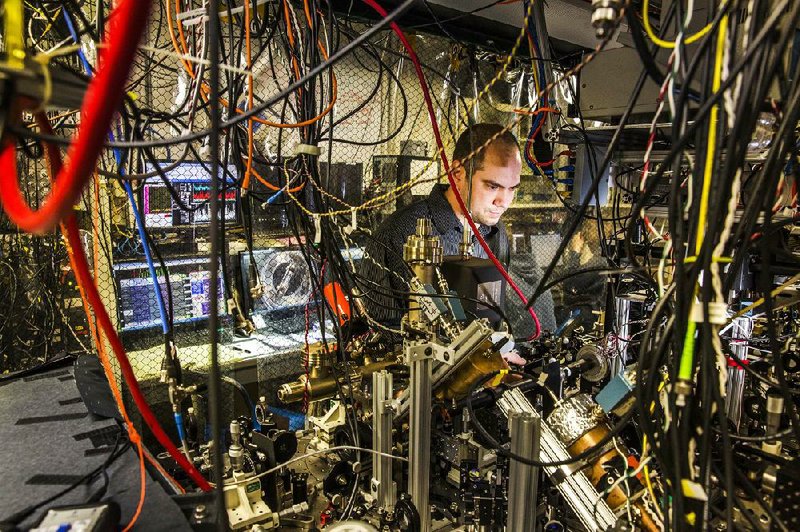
pixel 101 346
pixel 334 96
pixel 181 34
pixel 105 361
pixel 142 489
pixel 308 14
pixel 97 338
pixel 171 28
pixel 276 188
pixel 182 48
pixel 290 34
pixel 537 111
pixel 112 382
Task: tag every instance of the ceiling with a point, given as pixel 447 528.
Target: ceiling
pixel 567 20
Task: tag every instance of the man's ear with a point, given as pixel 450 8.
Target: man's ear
pixel 459 173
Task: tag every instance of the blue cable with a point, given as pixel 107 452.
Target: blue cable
pixel 542 103
pixel 139 222
pixel 162 310
pixel 179 424
pixel 148 257
pixel 75 38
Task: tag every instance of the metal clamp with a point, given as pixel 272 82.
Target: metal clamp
pixel 425 350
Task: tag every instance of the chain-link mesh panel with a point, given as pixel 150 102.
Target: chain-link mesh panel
pixel 278 209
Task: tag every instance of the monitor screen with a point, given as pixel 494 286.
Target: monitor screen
pixel 286 287
pixel 284 276
pixel 190 283
pixel 192 184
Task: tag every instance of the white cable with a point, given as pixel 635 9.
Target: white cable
pixel 661 266
pixel 314 453
pixel 649 149
pixel 678 58
pixel 731 97
pixel 727 227
pixel 624 478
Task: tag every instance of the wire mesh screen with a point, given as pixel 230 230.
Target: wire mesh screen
pixel 310 172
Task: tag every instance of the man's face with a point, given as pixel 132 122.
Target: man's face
pixel 493 187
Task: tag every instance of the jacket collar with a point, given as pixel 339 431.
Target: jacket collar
pixel 443 217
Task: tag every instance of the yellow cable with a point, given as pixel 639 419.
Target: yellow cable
pixel 661 42
pixel 647 481
pixel 712 136
pixel 14 13
pixel 387 197
pixel 687 356
pixel 373 203
pixel 760 302
pixel 41 13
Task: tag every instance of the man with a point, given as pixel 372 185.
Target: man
pixel 495 176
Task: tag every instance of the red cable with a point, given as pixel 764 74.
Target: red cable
pixel 424 86
pixel 100 103
pixel 87 284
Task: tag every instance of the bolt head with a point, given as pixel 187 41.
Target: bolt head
pixel 200 511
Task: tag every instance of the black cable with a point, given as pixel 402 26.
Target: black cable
pixel 648 56
pixel 592 189
pixel 214 377
pixel 241 117
pixel 501 450
pixel 406 507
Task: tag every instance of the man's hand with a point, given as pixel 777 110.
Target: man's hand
pixel 512 357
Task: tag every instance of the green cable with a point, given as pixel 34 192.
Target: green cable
pixel 687 356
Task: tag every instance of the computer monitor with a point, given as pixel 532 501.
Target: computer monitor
pixel 286 287
pixel 345 182
pixel 284 276
pixel 190 281
pixel 192 184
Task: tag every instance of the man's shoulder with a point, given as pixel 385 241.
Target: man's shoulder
pixel 421 207
pixel 499 232
pixel 403 222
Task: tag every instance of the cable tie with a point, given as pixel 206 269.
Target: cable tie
pixel 307 149
pixel 317 228
pixel 353 222
pixel 717 313
pixel 719 260
pixel 693 490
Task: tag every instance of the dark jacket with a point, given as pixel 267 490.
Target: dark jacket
pixel 386 249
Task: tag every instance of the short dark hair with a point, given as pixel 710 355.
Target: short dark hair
pixel 477 135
